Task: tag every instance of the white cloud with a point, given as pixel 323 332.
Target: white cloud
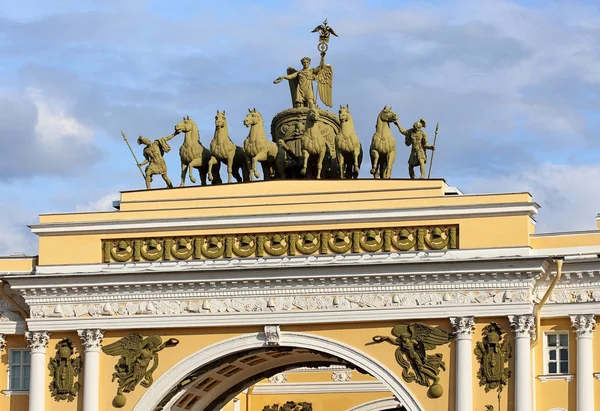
pixel 54 123
pixel 104 203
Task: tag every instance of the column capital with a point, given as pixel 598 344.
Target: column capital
pixel 522 325
pixel 2 343
pixel 37 340
pixel 584 325
pixel 91 339
pixel 463 326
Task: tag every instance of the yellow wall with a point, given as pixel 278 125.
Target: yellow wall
pixel 14 402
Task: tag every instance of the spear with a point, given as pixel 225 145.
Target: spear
pixel 433 152
pixel 138 163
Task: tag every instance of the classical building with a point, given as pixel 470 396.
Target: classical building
pixel 335 295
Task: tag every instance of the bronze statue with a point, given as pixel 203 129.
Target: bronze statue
pixel 324 32
pixel 225 151
pixel 383 144
pixel 193 154
pixel 301 86
pixel 413 341
pixel 258 149
pixel 136 354
pixel 314 146
pixel 153 153
pixel 417 138
pixel 63 370
pixel 348 147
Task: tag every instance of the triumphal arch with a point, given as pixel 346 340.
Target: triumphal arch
pixel 311 289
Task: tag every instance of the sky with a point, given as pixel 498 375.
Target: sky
pixel 514 85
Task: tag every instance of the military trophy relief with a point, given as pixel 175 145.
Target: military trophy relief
pixel 307 141
pixel 289 406
pixel 493 352
pixel 247 245
pixel 63 370
pixel 414 341
pixel 138 360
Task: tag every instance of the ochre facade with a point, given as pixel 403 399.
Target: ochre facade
pixel 274 291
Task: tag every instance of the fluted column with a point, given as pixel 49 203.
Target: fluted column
pixel 523 327
pixel 584 328
pixel 464 327
pixel 38 341
pixel 92 340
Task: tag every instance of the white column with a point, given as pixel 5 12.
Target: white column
pixel 464 327
pixel 584 328
pixel 38 341
pixel 523 327
pixel 2 344
pixel 92 340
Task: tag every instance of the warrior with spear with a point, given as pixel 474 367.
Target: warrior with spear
pixel 417 138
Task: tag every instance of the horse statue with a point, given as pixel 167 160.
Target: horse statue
pixel 225 151
pixel 259 149
pixel 348 147
pixel 193 154
pixel 383 144
pixel 313 143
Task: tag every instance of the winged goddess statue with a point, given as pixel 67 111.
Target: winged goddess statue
pixel 133 367
pixel 301 86
pixel 413 341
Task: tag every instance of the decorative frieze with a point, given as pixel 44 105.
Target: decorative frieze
pixel 522 325
pixel 91 339
pixel 280 244
pixel 276 303
pixel 280 378
pixel 37 340
pixel 584 325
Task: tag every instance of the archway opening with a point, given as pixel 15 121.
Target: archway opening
pixel 210 378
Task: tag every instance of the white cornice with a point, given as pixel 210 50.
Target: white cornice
pixel 283 317
pixel 287 219
pixel 319 388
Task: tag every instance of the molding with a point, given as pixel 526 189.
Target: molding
pixel 286 219
pixel 555 377
pixel 8 393
pixel 37 341
pixel 280 378
pixel 282 318
pixel 463 326
pixel 341 376
pixel 205 356
pixel 597 375
pixel 272 334
pixel 319 387
pixel 522 325
pixel 91 339
pixel 377 405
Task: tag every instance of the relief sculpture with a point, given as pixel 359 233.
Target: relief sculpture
pixel 133 367
pixel 493 353
pixel 63 370
pixel 413 341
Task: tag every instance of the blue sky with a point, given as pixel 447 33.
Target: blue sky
pixel 514 84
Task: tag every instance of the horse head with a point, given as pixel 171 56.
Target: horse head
pixel 220 119
pixel 387 115
pixel 344 113
pixel 253 118
pixel 313 114
pixel 184 126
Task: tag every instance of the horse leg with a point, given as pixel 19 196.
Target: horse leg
pixel 391 157
pixel 183 173
pixel 195 163
pixel 230 166
pixel 213 160
pixel 374 162
pixel 340 159
pixel 262 156
pixel 305 156
pixel 320 162
pixel 356 165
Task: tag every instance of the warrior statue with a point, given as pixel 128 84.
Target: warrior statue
pixel 417 138
pixel 153 153
pixel 301 85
